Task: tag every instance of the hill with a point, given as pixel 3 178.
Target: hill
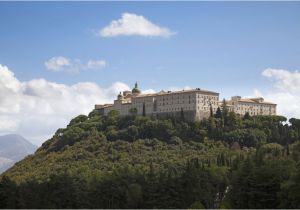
pixel 111 161
pixel 12 149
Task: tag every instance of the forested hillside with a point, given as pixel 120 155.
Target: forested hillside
pixel 226 161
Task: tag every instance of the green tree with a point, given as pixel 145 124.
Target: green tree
pixel 133 132
pixel 197 205
pixel 113 117
pixel 78 119
pixel 133 111
pixel 218 113
pixel 290 192
pixel 182 114
pixel 144 109
pixel 224 109
pixel 247 116
pixel 134 196
pixel 211 110
pixel 8 193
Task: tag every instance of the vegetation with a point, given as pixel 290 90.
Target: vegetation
pixel 226 161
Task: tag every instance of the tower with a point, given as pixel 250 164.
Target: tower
pixel 136 90
pixel 120 96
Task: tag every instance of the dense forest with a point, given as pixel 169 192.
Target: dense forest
pixel 225 161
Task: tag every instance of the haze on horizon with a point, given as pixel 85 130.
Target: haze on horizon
pixel 58 59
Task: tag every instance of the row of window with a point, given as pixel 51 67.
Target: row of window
pixel 207 108
pixel 179 102
pixel 256 105
pixel 176 109
pixel 179 109
pixel 257 113
pixel 166 98
pixel 253 109
pixel 209 97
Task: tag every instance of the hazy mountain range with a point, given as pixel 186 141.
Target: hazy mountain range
pixel 12 149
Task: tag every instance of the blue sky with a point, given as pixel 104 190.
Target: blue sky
pixel 58 59
pixel 222 46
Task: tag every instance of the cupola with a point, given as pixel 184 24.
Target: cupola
pixel 120 96
pixel 136 89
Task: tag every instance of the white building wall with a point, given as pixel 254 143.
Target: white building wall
pixel 254 108
pixel 175 102
pixel 194 103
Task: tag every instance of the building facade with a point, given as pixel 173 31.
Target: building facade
pixel 254 106
pixel 193 105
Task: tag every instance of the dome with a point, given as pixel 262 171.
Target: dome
pixel 136 90
pixel 120 96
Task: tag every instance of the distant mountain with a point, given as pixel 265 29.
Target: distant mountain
pixel 12 149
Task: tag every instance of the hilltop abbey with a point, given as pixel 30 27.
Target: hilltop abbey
pixel 195 104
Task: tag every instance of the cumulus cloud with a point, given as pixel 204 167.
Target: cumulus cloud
pixel 61 63
pixel 284 79
pixel 131 24
pixel 286 92
pixel 37 108
pixel 57 63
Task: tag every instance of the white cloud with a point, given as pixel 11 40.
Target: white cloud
pixel 286 92
pixel 7 124
pixel 37 108
pixel 149 91
pixel 285 80
pixel 131 24
pixel 96 64
pixel 61 63
pixel 57 63
pixel 179 89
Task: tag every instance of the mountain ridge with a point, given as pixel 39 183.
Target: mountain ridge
pixel 13 148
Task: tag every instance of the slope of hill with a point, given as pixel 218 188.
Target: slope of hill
pixel 145 162
pixel 12 149
pixel 5 163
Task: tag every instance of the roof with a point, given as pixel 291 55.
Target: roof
pixel 99 106
pixel 176 92
pixel 252 100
